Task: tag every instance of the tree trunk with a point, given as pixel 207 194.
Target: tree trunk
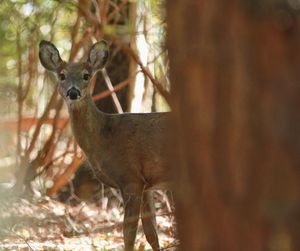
pixel 236 95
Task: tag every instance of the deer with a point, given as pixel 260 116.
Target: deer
pixel 125 151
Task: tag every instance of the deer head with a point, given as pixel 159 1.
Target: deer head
pixel 73 78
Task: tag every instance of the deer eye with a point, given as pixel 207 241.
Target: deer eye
pixel 62 76
pixel 86 76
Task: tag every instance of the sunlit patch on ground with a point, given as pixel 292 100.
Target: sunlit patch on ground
pixel 50 225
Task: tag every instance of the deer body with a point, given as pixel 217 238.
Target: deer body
pixel 125 151
pixel 123 148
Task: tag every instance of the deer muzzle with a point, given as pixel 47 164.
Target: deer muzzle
pixel 73 93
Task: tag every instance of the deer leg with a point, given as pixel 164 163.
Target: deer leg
pixel 132 197
pixel 149 220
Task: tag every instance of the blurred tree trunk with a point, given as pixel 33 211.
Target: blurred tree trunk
pixel 236 95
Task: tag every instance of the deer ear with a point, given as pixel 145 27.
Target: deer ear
pixel 98 55
pixel 49 56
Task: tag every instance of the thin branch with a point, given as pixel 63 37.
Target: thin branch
pixel 41 121
pixel 107 93
pixel 62 160
pixel 20 100
pixel 31 70
pixel 87 14
pixel 51 162
pixel 65 177
pixel 103 10
pixel 22 238
pixel 111 89
pixel 147 72
pixel 116 10
pixel 74 34
pixel 97 10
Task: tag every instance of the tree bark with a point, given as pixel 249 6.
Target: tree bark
pixel 235 101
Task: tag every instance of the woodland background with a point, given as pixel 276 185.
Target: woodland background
pixel 229 71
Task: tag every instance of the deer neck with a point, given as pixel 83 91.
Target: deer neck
pixel 86 122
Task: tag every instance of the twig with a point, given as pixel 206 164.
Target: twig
pixel 87 14
pixel 111 89
pixel 20 100
pixel 23 238
pixel 116 10
pixel 50 163
pixel 41 122
pixel 107 93
pixel 72 224
pixel 64 178
pixel 147 72
pixel 74 34
pixel 97 10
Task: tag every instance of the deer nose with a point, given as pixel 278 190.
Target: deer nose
pixel 73 93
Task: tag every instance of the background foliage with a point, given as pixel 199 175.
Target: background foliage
pixel 38 154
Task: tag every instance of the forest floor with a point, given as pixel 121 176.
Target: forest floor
pixel 46 224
